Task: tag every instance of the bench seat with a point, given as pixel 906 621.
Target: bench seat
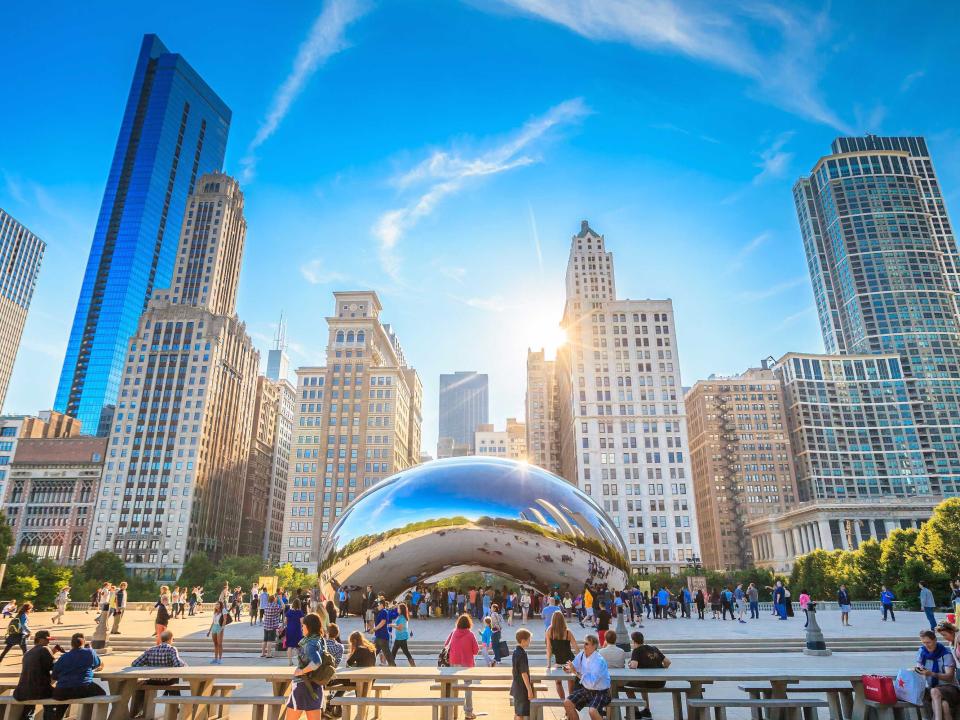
pixel 259 703
pixel 348 703
pixel 899 711
pixel 95 708
pixel 839 695
pixel 699 707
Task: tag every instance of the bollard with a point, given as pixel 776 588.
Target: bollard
pixel 100 636
pixel 623 637
pixel 815 642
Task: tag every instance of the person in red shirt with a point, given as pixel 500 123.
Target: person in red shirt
pixel 463 647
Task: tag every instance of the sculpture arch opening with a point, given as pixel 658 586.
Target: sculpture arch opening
pixel 473 513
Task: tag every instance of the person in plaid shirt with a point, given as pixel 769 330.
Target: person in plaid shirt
pixel 271 621
pixel 162 655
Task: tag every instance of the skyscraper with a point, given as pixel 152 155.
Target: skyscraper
pixel 174 129
pixel 884 262
pixel 542 408
pixel 464 404
pixel 741 461
pixel 180 439
pixel 357 421
pixel 257 495
pixel 623 434
pixel 21 253
pixel 278 371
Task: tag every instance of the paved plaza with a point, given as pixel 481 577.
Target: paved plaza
pixel 190 633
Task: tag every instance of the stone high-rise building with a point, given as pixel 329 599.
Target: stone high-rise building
pixel 180 439
pixel 174 129
pixel 623 433
pixel 21 253
pixel 357 421
pixel 13 428
pixel 257 492
pixel 509 443
pixel 542 408
pixel 884 262
pixel 741 461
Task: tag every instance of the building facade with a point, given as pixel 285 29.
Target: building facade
pixel 623 433
pixel 884 261
pixel 280 468
pixel 257 491
pixel 47 424
pixel 357 421
pixel 53 488
pixel 542 412
pixel 510 443
pixel 741 461
pixel 21 253
pixel 174 129
pixel 180 441
pixel 464 404
pixel 831 525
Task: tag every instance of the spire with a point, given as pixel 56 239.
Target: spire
pixel 280 338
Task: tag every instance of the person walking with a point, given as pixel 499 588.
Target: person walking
pixel 162 618
pixel 462 648
pixel 886 602
pixel 381 633
pixel 61 601
pixel 18 630
pixel 928 604
pixel 120 602
pixel 306 697
pixel 753 597
pixel 221 618
pixel 740 602
pixel 271 623
pixel 684 603
pixel 804 604
pixel 561 647
pixel 401 635
pixel 780 600
pixel 843 601
pixel 521 689
pixel 715 603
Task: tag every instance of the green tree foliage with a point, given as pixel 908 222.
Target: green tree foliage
pixel 869 566
pixel 813 572
pixel 19 583
pixel 939 540
pixel 291 577
pixel 197 571
pixel 6 536
pixel 895 550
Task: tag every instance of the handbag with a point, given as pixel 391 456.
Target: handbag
pixel 503 650
pixel 910 686
pixel 443 659
pixel 879 688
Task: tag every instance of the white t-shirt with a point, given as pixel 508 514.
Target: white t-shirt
pixel 615 657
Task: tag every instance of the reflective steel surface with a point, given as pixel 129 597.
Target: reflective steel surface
pixel 459 514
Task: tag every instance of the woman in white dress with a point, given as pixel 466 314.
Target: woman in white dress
pixel 63 597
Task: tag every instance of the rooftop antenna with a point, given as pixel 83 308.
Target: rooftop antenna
pixel 280 339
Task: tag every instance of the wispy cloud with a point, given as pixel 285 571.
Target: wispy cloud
pixel 771 45
pixel 683 131
pixel 454 272
pixel 748 249
pixel 773 290
pixel 774 160
pixel 910 79
pixel 446 172
pixel 536 238
pixel 314 272
pixel 793 318
pixel 326 39
pixel 492 303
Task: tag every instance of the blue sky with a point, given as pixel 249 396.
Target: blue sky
pixel 443 153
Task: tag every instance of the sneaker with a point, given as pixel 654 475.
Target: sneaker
pixel 645 714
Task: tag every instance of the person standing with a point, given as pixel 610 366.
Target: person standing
pixel 264 600
pixel 928 604
pixel 35 682
pixel 271 622
pixel 684 603
pixel 603 624
pixel 525 604
pixel 701 602
pixel 62 600
pixel 293 630
pixel 73 671
pixel 162 618
pixel 740 602
pixel 753 597
pixel 886 602
pixel 369 608
pixel 663 600
pixel 726 602
pixel 593 688
pixel 804 604
pixel 120 600
pixel 496 624
pixel 463 647
pixel 381 633
pixel 219 622
pixel 780 600
pixel 843 601
pixel 18 630
pixel 561 646
pixel 521 689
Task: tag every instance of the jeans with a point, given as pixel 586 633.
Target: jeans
pixel 398 647
pixel 383 646
pixel 781 610
pixel 890 609
pixel 931 618
pixel 754 610
pixel 495 642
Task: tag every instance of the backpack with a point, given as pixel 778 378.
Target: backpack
pixel 323 674
pixel 14 627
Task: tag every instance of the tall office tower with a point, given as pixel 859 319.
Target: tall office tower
pixel 859 460
pixel 357 421
pixel 883 260
pixel 257 495
pixel 21 253
pixel 13 428
pixel 280 468
pixel 278 364
pixel 53 487
pixel 464 404
pixel 180 441
pixel 741 461
pixel 174 130
pixel 542 406
pixel 623 434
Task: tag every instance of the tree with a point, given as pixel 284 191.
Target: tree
pixel 939 539
pixel 19 582
pixel 869 562
pixel 291 577
pixel 814 573
pixel 895 550
pixel 197 571
pixel 52 578
pixel 6 536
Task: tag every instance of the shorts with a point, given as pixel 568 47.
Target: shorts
pixel 845 608
pixel 302 699
pixel 270 635
pixel 950 694
pixel 596 699
pixel 521 703
pixel 368 616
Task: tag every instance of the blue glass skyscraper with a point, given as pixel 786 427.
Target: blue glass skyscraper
pixel 174 130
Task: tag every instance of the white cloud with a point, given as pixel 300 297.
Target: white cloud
pixel 748 249
pixel 774 160
pixel 779 57
pixel 445 172
pixel 326 39
pixel 795 317
pixel 910 79
pixel 314 273
pixel 773 290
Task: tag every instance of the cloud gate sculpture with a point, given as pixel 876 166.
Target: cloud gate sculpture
pixel 462 514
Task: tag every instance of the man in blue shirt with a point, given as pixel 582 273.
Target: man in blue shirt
pixel 663 600
pixel 381 631
pixel 549 609
pixel 73 672
pixel 886 602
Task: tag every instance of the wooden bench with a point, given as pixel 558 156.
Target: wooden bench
pixel 700 707
pixel 629 705
pixel 348 703
pixel 258 703
pixel 91 708
pixel 839 695
pixel 378 688
pixel 676 691
pixel 150 693
pixel 900 711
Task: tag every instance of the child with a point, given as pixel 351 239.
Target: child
pixel 521 690
pixel 486 641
